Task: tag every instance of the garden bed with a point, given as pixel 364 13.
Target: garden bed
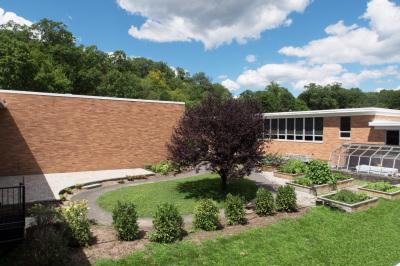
pixel 381 194
pixel 349 207
pixel 324 188
pixel 286 175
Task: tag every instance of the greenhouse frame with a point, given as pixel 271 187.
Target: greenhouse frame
pixel 367 158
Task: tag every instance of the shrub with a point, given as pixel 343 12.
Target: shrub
pixel 319 173
pixel 272 160
pixel 44 215
pixel 162 168
pixel 168 224
pixel 125 221
pixel 304 181
pixel 339 176
pixel 293 166
pixel 265 204
pixel 383 186
pixel 68 190
pixel 348 196
pixel 206 215
pixel 234 210
pixel 63 197
pixel 75 216
pixel 286 199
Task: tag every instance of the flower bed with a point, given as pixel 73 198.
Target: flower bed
pixel 349 201
pixel 291 169
pixel 322 188
pixel 382 189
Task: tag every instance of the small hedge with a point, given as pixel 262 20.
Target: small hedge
pixel 168 224
pixel 206 215
pixel 286 199
pixel 265 204
pixel 125 221
pixel 293 166
pixel 234 210
pixel 77 222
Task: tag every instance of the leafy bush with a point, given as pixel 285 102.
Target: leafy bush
pixel 206 215
pixel 272 160
pixel 339 176
pixel 286 199
pixel 234 210
pixel 293 166
pixel 125 221
pixel 383 186
pixel 75 216
pixel 348 196
pixel 44 215
pixel 304 181
pixel 319 173
pixel 168 224
pixel 265 204
pixel 162 168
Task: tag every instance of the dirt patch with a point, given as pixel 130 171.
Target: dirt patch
pixel 107 245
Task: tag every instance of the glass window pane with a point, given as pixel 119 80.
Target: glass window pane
pixel 345 123
pixel 290 126
pixel 282 128
pixel 309 126
pixel 319 126
pixel 345 134
pixel 318 138
pixel 266 128
pixel 299 128
pixel 274 128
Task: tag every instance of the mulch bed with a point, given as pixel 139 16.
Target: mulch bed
pixel 107 245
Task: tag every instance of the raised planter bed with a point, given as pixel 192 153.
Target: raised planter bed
pixel 286 175
pixel 268 168
pixel 380 194
pixel 354 207
pixel 323 189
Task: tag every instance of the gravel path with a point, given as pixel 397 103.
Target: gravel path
pixel 264 179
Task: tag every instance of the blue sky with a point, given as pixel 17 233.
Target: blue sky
pixel 322 41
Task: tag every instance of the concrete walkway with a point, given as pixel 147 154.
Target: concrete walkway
pixel 264 179
pixel 46 187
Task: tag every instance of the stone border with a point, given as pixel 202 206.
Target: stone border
pixel 355 207
pixel 324 188
pixel 286 175
pixel 380 194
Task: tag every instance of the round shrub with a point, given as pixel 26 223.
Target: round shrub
pixel 77 222
pixel 319 173
pixel 206 215
pixel 125 221
pixel 168 224
pixel 234 210
pixel 286 199
pixel 265 204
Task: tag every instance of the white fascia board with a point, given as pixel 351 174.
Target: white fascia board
pixel 87 97
pixel 335 112
pixel 382 124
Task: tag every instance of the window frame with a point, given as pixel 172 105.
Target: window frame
pixel 344 131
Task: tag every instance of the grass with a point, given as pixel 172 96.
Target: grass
pixel 184 193
pixel 321 237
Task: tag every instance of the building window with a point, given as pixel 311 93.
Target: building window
pixel 295 129
pixel 345 127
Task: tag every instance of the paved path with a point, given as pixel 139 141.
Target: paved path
pixel 264 179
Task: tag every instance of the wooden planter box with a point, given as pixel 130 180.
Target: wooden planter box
pixel 286 175
pixel 380 194
pixel 355 207
pixel 323 189
pixel 266 168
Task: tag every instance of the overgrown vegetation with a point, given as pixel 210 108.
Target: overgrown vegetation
pixel 348 196
pixel 167 223
pixel 293 166
pixel 286 199
pixel 125 221
pixel 162 167
pixel 234 210
pixel 318 173
pixel 265 203
pixel 206 215
pixel 383 186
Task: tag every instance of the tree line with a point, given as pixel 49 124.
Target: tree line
pixel 45 57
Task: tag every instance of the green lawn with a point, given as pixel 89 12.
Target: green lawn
pixel 184 193
pixel 321 237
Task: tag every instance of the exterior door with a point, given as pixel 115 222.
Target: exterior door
pixel 392 137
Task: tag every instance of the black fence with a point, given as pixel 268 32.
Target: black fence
pixel 12 213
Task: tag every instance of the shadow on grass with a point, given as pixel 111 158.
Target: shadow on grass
pixel 210 188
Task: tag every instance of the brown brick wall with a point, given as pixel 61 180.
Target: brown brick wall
pixel 360 133
pixel 47 134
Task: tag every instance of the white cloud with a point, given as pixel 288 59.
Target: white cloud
pixel 376 44
pixel 222 77
pixel 6 17
pixel 211 22
pixel 230 85
pixel 302 73
pixel 251 58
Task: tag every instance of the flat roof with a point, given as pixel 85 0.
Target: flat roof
pixel 336 112
pixel 86 97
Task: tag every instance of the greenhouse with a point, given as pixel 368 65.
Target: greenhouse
pixel 367 158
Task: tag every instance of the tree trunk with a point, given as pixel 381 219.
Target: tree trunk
pixel 224 180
